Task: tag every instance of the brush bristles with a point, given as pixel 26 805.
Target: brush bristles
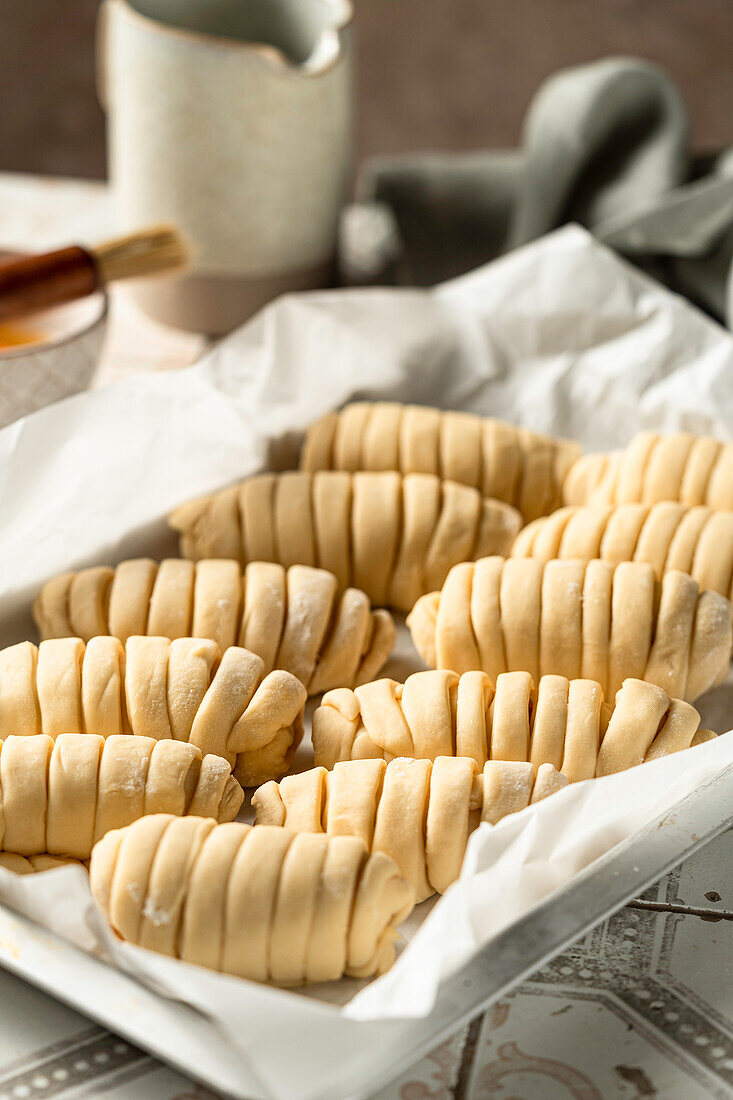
pixel 148 252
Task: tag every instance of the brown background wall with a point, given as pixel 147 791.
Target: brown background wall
pixel 452 74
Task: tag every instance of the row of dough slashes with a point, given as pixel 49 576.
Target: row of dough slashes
pixel 596 619
pixel 263 903
pixel 533 472
pixel 572 618
pixel 419 812
pixel 565 723
pixel 393 537
pixel 185 690
pixel 294 619
pixel 60 797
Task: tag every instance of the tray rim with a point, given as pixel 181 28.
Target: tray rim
pixel 519 950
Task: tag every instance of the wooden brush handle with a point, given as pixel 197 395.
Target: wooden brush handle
pixel 40 282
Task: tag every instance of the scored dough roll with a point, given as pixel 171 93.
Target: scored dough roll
pixel 418 812
pixel 265 904
pixel 57 798
pixel 562 722
pixel 669 535
pixel 31 865
pixel 691 469
pixel 391 536
pixel 590 619
pixel 504 462
pixel 181 690
pixel 294 619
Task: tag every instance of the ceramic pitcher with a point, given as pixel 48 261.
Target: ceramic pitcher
pixel 231 120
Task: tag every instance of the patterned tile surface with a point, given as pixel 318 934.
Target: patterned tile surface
pixel 640 1008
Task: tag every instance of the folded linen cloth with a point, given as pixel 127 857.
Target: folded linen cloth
pixel 605 144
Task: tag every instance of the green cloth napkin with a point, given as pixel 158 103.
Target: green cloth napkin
pixel 604 144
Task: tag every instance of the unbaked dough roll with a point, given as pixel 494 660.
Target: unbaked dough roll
pixel 217 600
pixel 694 470
pixel 634 594
pixel 311 597
pixel 512 464
pixel 294 619
pixel 191 667
pixel 58 687
pixel 266 904
pixel 646 724
pixel 59 797
pixel 421 504
pixel 601 621
pixel 708 662
pixel 52 616
pixel 510 718
pixel 173 603
pixel 146 686
pixel 560 616
pixel 181 690
pixel 19 704
pixel 393 536
pixel 102 687
pixel 129 609
pixel 22 865
pixel 419 812
pixel 89 598
pixel 561 722
pixel 692 539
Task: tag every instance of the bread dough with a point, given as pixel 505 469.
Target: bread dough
pixel 503 462
pixel 609 623
pixel 19 705
pixel 267 904
pixel 511 714
pixel 566 723
pixel 646 724
pixel 332 501
pixel 59 797
pixel 58 687
pixel 393 536
pixel 694 470
pixel 693 539
pixel 419 812
pixel 22 865
pixel 181 690
pixel 294 619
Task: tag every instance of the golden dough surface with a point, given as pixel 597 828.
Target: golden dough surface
pixel 419 812
pixel 565 723
pixel 391 536
pixel 295 619
pixel 574 618
pixel 266 904
pixel 520 467
pixel 31 865
pixel 691 469
pixel 224 703
pixel 57 798
pixel 668 535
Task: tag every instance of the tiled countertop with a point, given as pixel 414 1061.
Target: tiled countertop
pixel 642 1007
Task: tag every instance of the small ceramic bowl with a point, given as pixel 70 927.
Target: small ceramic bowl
pixel 59 357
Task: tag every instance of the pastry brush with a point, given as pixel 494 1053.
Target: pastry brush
pixel 31 283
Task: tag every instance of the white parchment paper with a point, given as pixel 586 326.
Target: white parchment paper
pixel 560 336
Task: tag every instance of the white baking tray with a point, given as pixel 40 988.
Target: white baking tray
pixel 560 336
pixel 190 1043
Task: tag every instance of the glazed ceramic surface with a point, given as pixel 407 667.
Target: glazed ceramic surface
pixel 60 359
pixel 233 122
